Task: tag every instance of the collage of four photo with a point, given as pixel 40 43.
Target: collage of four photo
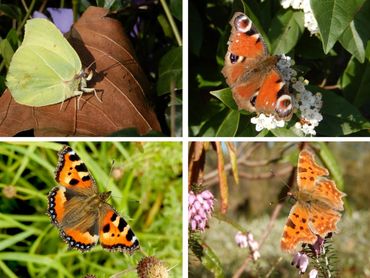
pixel 173 138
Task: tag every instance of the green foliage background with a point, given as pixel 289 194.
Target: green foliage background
pixel 147 193
pixel 335 62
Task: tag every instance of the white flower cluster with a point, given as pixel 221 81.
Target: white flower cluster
pixel 309 20
pixel 284 65
pixel 266 121
pixel 309 105
pixel 244 241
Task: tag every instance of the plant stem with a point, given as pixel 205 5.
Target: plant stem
pixel 172 22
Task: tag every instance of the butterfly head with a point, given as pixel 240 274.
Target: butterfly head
pixel 104 196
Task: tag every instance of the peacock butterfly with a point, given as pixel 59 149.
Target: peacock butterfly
pixel 251 72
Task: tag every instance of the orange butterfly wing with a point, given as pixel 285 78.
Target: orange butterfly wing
pixel 318 204
pixel 251 72
pixel 71 172
pixel 296 229
pixel 81 212
pixel 115 234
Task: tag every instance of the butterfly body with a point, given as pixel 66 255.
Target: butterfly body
pixel 251 73
pixel 318 205
pixel 81 213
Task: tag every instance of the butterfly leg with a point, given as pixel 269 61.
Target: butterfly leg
pixel 90 90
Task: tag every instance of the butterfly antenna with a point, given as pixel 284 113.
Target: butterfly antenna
pixel 89 66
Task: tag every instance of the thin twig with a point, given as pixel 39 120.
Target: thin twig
pixel 172 22
pixel 228 166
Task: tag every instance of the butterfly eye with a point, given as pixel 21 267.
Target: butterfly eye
pixel 253 99
pixel 236 59
pixel 284 106
pixel 233 58
pixel 242 23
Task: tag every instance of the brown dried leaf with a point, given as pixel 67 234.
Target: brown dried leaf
pixel 233 160
pixel 197 159
pixel 224 189
pixel 118 79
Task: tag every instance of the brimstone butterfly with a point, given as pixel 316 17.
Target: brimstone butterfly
pixel 45 69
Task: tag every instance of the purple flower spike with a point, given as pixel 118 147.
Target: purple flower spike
pixel 200 208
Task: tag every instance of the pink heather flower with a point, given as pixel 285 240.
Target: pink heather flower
pixel 313 273
pixel 300 261
pixel 318 246
pixel 244 241
pixel 200 208
pixel 241 240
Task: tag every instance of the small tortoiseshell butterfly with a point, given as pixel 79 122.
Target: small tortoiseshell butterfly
pixel 81 213
pixel 251 72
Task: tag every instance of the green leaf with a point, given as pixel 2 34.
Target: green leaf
pixel 340 116
pixel 210 126
pixel 245 128
pixel 226 97
pixel 205 254
pixel 170 71
pixel 207 83
pixel 286 29
pixel 355 81
pixel 229 126
pixel 283 132
pixel 176 8
pixel 211 262
pixel 195 38
pixel 2 84
pixel 332 164
pixel 6 51
pixel 333 18
pixel 166 28
pixel 12 11
pixel 355 37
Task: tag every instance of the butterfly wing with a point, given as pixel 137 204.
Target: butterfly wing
pixel 318 204
pixel 323 219
pixel 251 73
pixel 114 232
pixel 308 171
pixel 296 229
pixel 72 173
pixel 78 227
pixel 43 69
pixel 327 193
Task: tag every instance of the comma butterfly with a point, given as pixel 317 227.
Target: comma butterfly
pixel 316 211
pixel 255 81
pixel 81 213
